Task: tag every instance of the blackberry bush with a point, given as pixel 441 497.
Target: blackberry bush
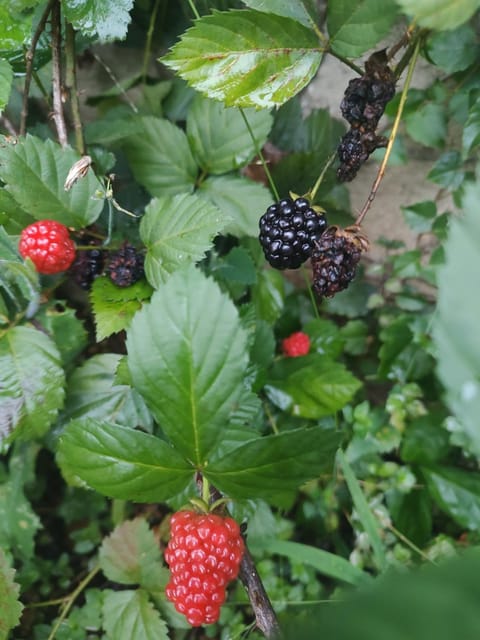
pixel 288 231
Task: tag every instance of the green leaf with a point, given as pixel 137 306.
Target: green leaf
pixel 269 295
pixel 471 130
pixel 311 387
pixel 31 383
pixel 455 322
pixel 14 33
pixel 93 392
pixel 434 601
pixel 12 218
pixel 425 440
pixel 107 19
pixel 420 216
pixel 177 230
pixel 354 26
pixel 19 281
pixel 114 307
pixel 324 562
pixel 241 199
pixel 35 170
pixel 219 137
pixel 131 555
pixel 129 614
pixel 121 462
pixel 448 171
pixel 412 515
pixel 300 10
pixel 428 125
pixel 10 606
pixel 247 58
pixel 439 14
pixel 457 493
pixel 160 157
pixel 65 328
pixel 19 523
pixel 368 520
pixel 266 467
pixel 453 50
pixel 6 78
pixel 187 355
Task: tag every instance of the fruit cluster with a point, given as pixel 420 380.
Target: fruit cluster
pixel 362 106
pixel 49 246
pixel 335 259
pixel 288 232
pixel 204 554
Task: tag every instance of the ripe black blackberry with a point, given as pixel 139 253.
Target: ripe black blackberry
pixel 335 259
pixel 88 265
pixel 354 149
pixel 125 266
pixel 288 232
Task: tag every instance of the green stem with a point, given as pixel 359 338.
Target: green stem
pixel 310 293
pixel 205 490
pixel 117 511
pixel 148 45
pixel 316 186
pixel 194 9
pixel 71 599
pixel 260 155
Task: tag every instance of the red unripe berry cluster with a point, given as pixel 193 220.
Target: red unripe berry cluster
pixel 297 344
pixel 204 554
pixel 48 245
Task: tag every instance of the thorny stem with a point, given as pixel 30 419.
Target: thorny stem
pixel 391 140
pixel 71 84
pixel 58 116
pixel 29 56
pixel 148 45
pixel 71 599
pixel 265 618
pixel 260 155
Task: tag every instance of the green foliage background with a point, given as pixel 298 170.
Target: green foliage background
pixel 355 467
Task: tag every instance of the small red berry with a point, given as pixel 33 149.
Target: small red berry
pixel 48 245
pixel 297 344
pixel 204 555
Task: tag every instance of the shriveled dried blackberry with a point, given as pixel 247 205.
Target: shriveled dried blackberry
pixel 288 231
pixel 125 266
pixel 88 265
pixel 363 105
pixel 366 97
pixel 335 259
pixel 354 149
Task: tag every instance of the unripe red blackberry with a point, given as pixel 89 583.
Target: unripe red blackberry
pixel 288 231
pixel 297 344
pixel 125 266
pixel 204 554
pixel 335 259
pixel 48 245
